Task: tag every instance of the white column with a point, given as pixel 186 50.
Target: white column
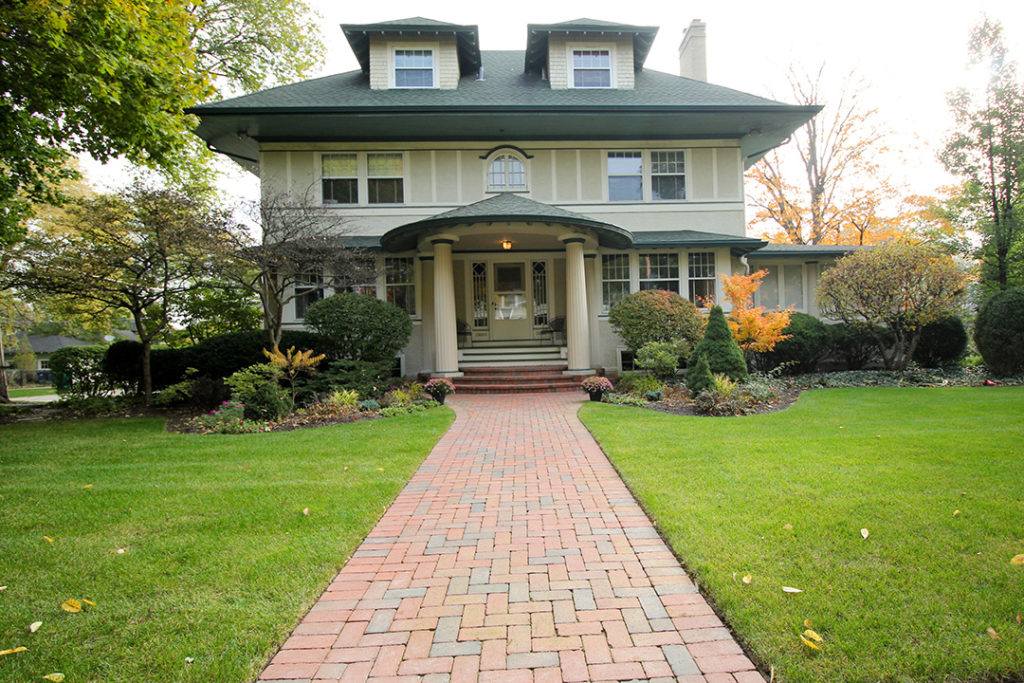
pixel 577 323
pixel 446 349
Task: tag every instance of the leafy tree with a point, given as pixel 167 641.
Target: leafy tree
pixel 719 347
pixel 892 291
pixel 137 252
pixel 214 307
pixel 986 150
pixel 755 329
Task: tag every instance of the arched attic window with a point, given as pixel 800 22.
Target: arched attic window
pixel 506 172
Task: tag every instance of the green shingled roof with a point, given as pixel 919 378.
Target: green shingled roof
pixel 804 250
pixel 537 39
pixel 467 38
pixel 693 238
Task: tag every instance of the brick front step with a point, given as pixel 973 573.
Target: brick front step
pixel 507 388
pixel 547 370
pixel 515 380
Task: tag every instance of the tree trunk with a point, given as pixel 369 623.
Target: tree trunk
pixel 147 372
pixel 5 397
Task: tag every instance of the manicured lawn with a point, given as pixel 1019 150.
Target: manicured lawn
pixel 914 600
pixel 31 391
pixel 219 560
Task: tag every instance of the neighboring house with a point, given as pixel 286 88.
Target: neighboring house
pixel 44 346
pixel 512 197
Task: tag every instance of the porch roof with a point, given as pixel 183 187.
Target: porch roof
pixel 694 238
pixel 804 251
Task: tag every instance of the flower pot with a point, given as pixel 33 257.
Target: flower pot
pixel 596 395
pixel 439 398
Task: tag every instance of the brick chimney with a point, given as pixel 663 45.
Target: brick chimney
pixel 693 61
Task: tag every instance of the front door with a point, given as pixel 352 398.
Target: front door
pixel 511 318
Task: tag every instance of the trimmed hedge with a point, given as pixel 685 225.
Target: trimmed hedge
pixel 360 327
pixel 999 332
pixel 77 372
pixel 226 354
pixel 853 345
pixel 942 342
pixel 720 348
pixel 808 343
pixel 654 315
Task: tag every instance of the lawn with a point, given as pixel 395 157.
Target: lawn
pixel 936 476
pixel 219 561
pixel 31 391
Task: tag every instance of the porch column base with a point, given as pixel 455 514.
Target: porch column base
pixel 584 371
pixel 454 373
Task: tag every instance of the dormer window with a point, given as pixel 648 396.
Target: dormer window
pixel 414 68
pixel 506 172
pixel 591 68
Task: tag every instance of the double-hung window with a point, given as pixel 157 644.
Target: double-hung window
pixel 625 176
pixel 614 279
pixel 702 277
pixel 384 178
pixel 309 288
pixel 506 172
pixel 400 283
pixel 668 178
pixel 340 178
pixel 414 68
pixel 591 69
pixel 659 271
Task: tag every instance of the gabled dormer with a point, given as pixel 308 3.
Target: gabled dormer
pixel 415 53
pixel 586 53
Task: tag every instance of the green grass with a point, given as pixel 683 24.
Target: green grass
pixel 220 562
pixel 31 391
pixel 913 601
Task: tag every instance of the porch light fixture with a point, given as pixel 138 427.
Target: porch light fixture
pixel 506 245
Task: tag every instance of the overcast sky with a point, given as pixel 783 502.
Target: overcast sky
pixel 909 53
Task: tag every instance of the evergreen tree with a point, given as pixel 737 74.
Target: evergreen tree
pixel 719 347
pixel 699 377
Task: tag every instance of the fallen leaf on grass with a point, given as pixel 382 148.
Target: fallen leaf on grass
pixel 72 606
pixel 56 678
pixel 47 539
pixel 88 602
pixel 992 633
pixel 34 626
pixel 865 533
pixel 790 589
pixel 810 644
pixel 3 588
pixel 189 660
pixel 120 551
pixel 1017 559
pixel 747 579
pixel 812 635
pixel 788 527
pixel 305 511
pixel 956 513
pixel 380 469
pixel 14 651
pixel 1019 618
pixel 87 486
pixel 807 623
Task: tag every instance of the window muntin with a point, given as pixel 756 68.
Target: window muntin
pixel 614 279
pixel 400 283
pixel 702 277
pixel 309 288
pixel 340 178
pixel 384 178
pixel 506 172
pixel 414 68
pixel 659 271
pixel 668 177
pixel 591 69
pixel 625 176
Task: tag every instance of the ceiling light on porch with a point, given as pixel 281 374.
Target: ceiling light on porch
pixel 506 245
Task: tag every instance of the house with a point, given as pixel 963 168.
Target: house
pixel 512 197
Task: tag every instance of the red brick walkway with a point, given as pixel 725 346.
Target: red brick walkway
pixel 515 553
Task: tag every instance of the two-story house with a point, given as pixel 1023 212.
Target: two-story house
pixel 512 197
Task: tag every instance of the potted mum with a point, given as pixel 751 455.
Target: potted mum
pixel 596 386
pixel 438 388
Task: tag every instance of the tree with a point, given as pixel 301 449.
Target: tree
pixel 213 307
pixel 755 329
pixel 986 150
pixel 113 78
pixel 892 291
pixel 136 252
pixel 826 187
pixel 719 348
pixel 298 244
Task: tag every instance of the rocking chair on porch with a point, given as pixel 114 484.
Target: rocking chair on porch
pixel 556 331
pixel 464 333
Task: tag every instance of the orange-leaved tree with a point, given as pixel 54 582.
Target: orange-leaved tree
pixel 755 329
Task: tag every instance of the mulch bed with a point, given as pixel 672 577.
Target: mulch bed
pixel 786 398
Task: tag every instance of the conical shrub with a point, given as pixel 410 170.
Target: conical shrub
pixel 719 348
pixel 699 377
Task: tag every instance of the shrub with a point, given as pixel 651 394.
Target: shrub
pixel 654 315
pixel 853 345
pixel 369 405
pixel 942 342
pixel 722 398
pixel 344 397
pixel 370 379
pixel 226 354
pixel 636 383
pixel 228 418
pixel 122 364
pixel 719 347
pixel 258 388
pixel 809 341
pixel 661 358
pixel 360 326
pixel 699 377
pixel 999 332
pixel 623 399
pixel 653 395
pixel 77 372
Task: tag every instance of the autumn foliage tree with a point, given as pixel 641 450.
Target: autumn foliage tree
pixel 755 329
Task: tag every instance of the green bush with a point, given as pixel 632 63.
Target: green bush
pixel 699 377
pixel 660 358
pixel 853 345
pixel 258 388
pixel 808 343
pixel 999 332
pixel 360 327
pixel 122 364
pixel 226 354
pixel 654 315
pixel 638 383
pixel 720 348
pixel 370 379
pixel 942 342
pixel 77 372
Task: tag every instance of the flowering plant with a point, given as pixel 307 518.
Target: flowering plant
pixel 592 384
pixel 439 386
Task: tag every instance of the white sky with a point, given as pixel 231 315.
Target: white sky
pixel 910 53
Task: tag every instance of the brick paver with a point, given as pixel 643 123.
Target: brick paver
pixel 515 553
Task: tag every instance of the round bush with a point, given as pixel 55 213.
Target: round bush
pixel 999 332
pixel 360 326
pixel 942 342
pixel 809 341
pixel 853 345
pixel 660 358
pixel 77 371
pixel 654 315
pixel 720 348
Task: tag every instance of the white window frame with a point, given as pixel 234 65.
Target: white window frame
pixel 434 50
pixel 306 283
pixel 713 279
pixel 630 285
pixel 401 156
pixel 414 299
pixel 649 172
pixel 501 154
pixel 324 177
pixel 644 182
pixel 570 68
pixel 362 183
pixel 640 275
